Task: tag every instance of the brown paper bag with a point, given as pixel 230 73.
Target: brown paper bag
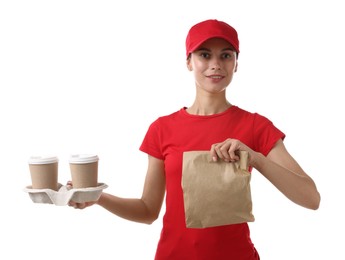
pixel 215 193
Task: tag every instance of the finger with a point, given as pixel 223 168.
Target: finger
pixel 221 151
pixel 69 184
pixel 81 205
pixel 72 204
pixel 218 151
pixel 213 152
pixel 233 156
pixel 233 152
pixel 224 153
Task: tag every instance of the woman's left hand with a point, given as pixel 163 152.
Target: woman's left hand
pixel 227 150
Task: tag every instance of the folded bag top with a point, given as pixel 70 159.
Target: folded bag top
pixel 215 193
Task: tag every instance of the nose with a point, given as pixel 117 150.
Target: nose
pixel 215 65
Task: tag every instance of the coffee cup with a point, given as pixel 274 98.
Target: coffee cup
pixel 84 170
pixel 44 172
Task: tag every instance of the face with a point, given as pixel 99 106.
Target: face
pixel 214 64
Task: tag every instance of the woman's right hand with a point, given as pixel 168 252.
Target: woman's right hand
pixel 81 205
pixel 77 205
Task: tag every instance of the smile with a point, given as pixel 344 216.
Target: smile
pixel 215 77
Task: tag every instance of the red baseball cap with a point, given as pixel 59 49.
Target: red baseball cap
pixel 208 29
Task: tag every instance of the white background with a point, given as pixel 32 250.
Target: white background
pixel 90 76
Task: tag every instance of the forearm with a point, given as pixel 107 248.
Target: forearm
pixel 130 209
pixel 299 188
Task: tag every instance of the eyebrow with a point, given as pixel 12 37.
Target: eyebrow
pixel 206 49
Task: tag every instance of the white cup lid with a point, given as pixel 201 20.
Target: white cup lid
pixel 83 158
pixel 43 159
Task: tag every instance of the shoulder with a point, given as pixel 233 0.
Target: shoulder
pixel 249 114
pixel 163 121
pixel 169 117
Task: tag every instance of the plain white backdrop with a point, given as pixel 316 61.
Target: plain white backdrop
pixel 90 76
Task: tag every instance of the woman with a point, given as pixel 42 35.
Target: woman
pixel 210 123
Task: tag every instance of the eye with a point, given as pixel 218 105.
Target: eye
pixel 205 55
pixel 227 55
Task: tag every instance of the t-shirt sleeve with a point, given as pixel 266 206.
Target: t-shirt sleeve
pixel 266 134
pixel 152 143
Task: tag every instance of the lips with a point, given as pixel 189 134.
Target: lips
pixel 215 76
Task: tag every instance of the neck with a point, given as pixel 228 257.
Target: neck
pixel 208 108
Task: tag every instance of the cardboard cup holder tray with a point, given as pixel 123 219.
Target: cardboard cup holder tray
pixel 64 194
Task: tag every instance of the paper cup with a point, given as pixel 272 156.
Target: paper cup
pixel 44 172
pixel 84 170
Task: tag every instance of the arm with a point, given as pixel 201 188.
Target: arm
pixel 144 210
pixel 279 167
pixel 282 170
pixel 147 208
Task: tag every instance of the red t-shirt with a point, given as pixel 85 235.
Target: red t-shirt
pixel 166 139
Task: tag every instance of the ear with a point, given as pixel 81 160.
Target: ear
pixel 235 70
pixel 189 66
